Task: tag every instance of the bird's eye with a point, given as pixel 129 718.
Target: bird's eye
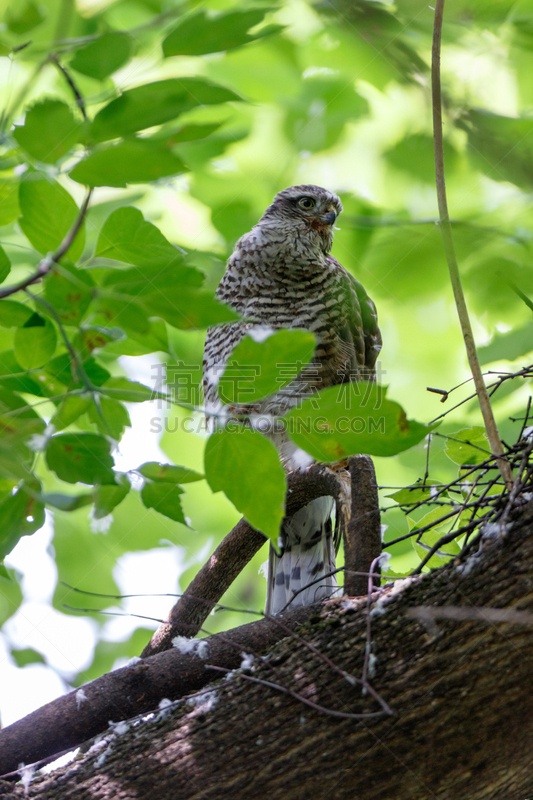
pixel 306 202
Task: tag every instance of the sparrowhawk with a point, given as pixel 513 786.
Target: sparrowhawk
pixel 281 275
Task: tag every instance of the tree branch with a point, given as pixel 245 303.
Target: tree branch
pixel 463 715
pixel 231 556
pixel 362 539
pixel 449 249
pixel 129 691
pixel 80 102
pixel 45 265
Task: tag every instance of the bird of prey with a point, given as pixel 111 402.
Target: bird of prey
pixel 281 275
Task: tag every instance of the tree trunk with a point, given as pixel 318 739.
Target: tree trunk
pixel 461 696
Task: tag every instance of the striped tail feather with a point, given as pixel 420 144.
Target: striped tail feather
pixel 308 554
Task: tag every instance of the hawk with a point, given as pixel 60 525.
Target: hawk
pixel 281 275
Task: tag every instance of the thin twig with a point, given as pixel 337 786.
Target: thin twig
pixel 322 709
pixel 80 102
pixel 518 485
pixel 446 229
pixel 525 372
pixel 368 642
pixel 45 265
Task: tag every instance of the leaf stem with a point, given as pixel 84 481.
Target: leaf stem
pixel 80 102
pixel 449 249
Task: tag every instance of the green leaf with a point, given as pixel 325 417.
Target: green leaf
pixel 124 312
pixel 25 656
pixel 48 213
pixel 49 131
pixel 70 409
pixel 188 308
pixel 168 473
pixel 129 391
pixel 501 147
pixel 21 514
pixel 508 346
pixel 246 467
pixel 60 368
pixel 413 495
pixel 9 201
pixel 23 18
pixel 80 458
pixel 94 337
pixel 15 456
pixel 472 447
pixel 188 133
pixel 352 418
pixel 165 498
pixel 5 265
pixel 67 502
pixel 199 33
pixel 127 236
pixel 107 497
pixel 257 369
pixel 104 55
pixel 139 344
pixel 152 279
pixel 12 375
pixel 432 536
pixel 110 416
pixel 69 290
pixel 13 314
pixel 35 342
pixel 155 103
pixel 10 593
pixel 131 161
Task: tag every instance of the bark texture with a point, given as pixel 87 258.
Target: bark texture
pixel 461 695
pixel 362 539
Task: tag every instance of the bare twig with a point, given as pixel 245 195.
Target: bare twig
pixel 45 265
pixel 322 709
pixel 80 102
pixel 368 642
pixel 442 392
pixel 525 372
pixel 518 485
pixel 446 229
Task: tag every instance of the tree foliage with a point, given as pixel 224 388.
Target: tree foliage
pixel 183 122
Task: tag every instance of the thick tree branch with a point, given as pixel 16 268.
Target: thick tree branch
pixel 362 539
pixel 231 556
pixel 463 709
pixel 126 692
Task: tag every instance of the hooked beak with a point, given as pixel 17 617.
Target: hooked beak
pixel 330 217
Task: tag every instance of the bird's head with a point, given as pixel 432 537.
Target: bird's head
pixel 310 210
